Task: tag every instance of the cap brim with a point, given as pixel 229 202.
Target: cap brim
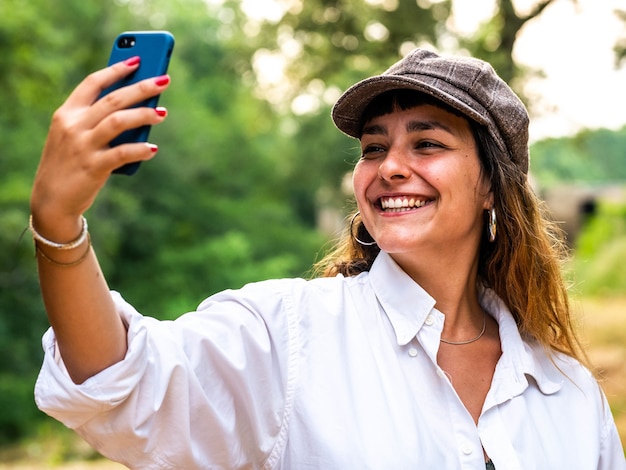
pixel 349 108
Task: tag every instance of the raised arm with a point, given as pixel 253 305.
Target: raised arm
pixel 75 164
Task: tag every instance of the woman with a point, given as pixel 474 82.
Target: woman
pixel 437 336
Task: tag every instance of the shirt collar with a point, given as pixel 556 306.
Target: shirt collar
pixel 407 305
pixel 404 301
pixel 520 357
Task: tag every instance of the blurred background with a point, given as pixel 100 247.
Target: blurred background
pixel 250 179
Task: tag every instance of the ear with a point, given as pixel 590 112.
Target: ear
pixel 487 193
pixel 489 201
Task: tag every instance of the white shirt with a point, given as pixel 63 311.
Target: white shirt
pixel 333 374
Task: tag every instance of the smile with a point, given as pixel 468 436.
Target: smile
pixel 400 204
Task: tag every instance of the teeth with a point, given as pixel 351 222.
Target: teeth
pixel 400 204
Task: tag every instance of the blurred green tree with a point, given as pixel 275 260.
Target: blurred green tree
pixel 591 156
pixel 42 56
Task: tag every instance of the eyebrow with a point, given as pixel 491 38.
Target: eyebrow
pixel 374 130
pixel 412 126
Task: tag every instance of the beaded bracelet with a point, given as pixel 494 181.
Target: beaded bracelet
pixel 60 246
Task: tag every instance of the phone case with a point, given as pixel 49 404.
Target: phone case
pixel 155 49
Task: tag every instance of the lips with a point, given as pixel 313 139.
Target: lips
pixel 402 203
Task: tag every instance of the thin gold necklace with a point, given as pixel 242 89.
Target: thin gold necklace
pixel 482 332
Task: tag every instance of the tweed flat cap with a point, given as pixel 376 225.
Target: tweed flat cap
pixel 469 85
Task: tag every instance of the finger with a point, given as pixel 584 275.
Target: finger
pixel 108 160
pixel 95 83
pixel 125 97
pixel 116 123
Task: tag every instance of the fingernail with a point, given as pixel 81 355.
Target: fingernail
pixel 162 80
pixel 161 111
pixel 132 61
pixel 153 148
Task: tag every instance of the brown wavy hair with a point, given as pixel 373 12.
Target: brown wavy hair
pixel 524 264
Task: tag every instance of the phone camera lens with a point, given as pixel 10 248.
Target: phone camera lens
pixel 126 42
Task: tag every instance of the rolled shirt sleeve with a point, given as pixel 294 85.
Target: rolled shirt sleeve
pixel 211 386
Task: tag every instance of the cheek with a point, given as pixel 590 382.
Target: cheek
pixel 360 180
pixel 473 179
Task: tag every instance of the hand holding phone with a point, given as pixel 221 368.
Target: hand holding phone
pixel 155 49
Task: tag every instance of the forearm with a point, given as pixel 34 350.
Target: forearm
pixel 89 331
pixel 76 162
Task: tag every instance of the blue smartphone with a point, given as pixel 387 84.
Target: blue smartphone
pixel 155 49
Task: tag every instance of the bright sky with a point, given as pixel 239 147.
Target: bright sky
pixel 573 44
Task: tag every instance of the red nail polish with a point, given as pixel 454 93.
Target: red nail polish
pixel 132 61
pixel 153 148
pixel 162 80
pixel 161 111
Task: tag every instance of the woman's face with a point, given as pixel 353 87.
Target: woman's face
pixel 419 184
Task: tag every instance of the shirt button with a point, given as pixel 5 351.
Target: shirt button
pixel 429 320
pixel 412 352
pixel 467 450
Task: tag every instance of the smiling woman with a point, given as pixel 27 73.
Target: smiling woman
pixel 426 155
pixel 429 340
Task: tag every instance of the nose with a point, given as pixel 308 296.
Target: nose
pixel 394 166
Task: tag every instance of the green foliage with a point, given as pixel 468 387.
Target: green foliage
pixel 592 156
pixel 212 211
pixel 18 415
pixel 601 251
pixel 341 41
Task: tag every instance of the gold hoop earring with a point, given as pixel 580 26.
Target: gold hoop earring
pixel 360 242
pixel 491 225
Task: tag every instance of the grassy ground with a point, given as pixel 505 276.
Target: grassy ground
pixel 604 328
pixel 603 323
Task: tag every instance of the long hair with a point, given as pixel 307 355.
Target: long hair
pixel 523 265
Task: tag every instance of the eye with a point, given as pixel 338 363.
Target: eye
pixel 428 144
pixel 372 151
